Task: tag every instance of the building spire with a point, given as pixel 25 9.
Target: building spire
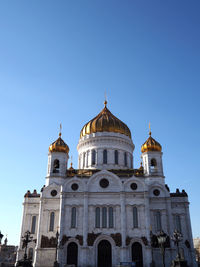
pixel 149 128
pixel 60 132
pixel 105 102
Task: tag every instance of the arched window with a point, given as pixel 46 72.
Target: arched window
pixel 72 254
pixel 116 157
pixel 178 223
pixel 93 157
pixel 135 217
pixel 105 156
pixel 33 225
pixel 84 156
pixel 73 218
pixel 56 166
pixel 153 164
pixel 110 212
pixel 30 254
pixel 131 160
pixel 158 221
pixel 125 159
pixel 97 218
pixel 87 158
pixel 52 218
pixel 104 217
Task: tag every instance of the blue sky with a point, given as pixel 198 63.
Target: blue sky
pixel 57 58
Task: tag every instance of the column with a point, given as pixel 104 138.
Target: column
pixel 148 256
pixel 61 224
pixel 123 225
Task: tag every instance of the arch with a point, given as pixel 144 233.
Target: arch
pixel 114 180
pixel 104 255
pixel 137 254
pixel 56 166
pixel 153 163
pixel 67 184
pixel 141 185
pixel 105 154
pixel 51 224
pixel 116 157
pixel 72 254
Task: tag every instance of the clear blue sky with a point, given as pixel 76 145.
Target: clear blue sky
pixel 57 58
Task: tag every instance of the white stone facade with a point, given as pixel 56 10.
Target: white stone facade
pixel 122 210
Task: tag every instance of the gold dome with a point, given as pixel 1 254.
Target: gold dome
pixel 151 145
pixel 105 121
pixel 59 146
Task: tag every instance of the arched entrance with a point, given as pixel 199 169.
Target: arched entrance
pixel 137 254
pixel 104 254
pixel 72 253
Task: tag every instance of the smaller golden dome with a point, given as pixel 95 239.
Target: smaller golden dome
pixel 151 145
pixel 59 146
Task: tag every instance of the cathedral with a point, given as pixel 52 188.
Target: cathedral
pixel 106 212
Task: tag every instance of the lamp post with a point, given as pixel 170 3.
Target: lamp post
pixel 161 242
pixel 177 238
pixel 178 262
pixel 1 236
pixel 27 238
pixel 56 264
pixel 152 245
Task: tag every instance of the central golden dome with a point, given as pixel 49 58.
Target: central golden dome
pixel 105 121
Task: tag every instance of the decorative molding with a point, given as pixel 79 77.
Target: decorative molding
pixel 117 238
pixel 47 242
pixel 91 238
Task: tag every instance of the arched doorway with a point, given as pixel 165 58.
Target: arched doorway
pixel 137 254
pixel 72 254
pixel 104 254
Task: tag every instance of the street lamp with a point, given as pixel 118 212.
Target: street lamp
pixel 56 264
pixel 152 245
pixel 162 237
pixel 27 238
pixel 1 236
pixel 177 238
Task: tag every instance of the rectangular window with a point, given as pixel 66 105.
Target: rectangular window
pixel 104 217
pixel 33 225
pixel 110 217
pixel 73 217
pixel 135 217
pixel 158 221
pixel 52 218
pixel 97 218
pixel 178 223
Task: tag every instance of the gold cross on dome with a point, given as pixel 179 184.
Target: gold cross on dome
pixel 60 129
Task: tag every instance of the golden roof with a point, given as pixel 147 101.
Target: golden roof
pixel 59 146
pixel 151 145
pixel 105 121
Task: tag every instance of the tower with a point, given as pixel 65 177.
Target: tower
pixel 57 160
pixel 152 157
